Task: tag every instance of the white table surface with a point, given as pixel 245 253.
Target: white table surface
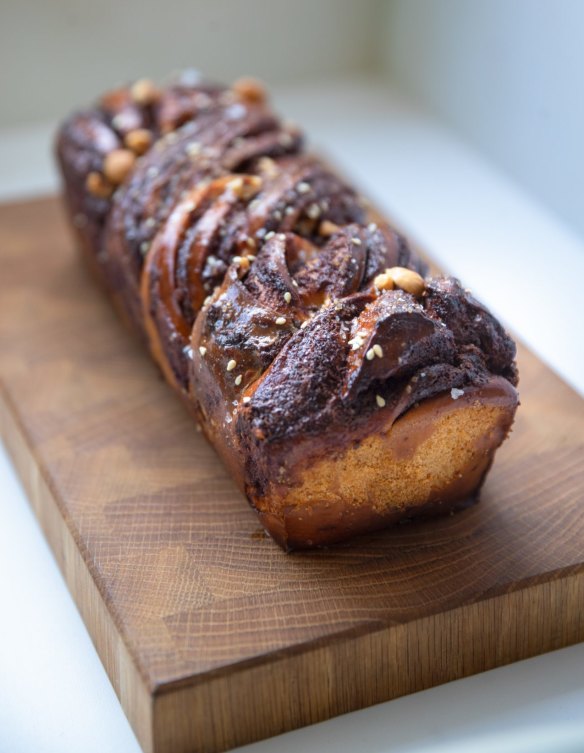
pixel 54 694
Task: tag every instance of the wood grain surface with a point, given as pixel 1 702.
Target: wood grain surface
pixel 212 636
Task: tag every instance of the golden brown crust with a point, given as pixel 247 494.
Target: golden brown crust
pixel 302 335
pixel 429 461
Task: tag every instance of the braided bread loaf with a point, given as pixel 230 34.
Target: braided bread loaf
pixel 343 389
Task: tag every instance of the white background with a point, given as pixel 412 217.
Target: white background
pixel 459 189
pixel 506 75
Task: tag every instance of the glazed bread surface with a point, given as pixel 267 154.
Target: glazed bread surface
pixel 344 388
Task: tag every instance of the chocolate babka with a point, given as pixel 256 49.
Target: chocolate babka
pixel 344 389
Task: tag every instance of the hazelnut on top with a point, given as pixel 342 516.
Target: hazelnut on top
pixel 144 92
pixel 118 164
pixel 138 140
pixel 97 185
pixel 250 90
pixel 402 278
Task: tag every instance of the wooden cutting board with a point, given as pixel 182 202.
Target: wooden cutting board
pixel 212 636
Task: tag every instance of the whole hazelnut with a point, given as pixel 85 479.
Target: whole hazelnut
pixel 118 164
pixel 144 92
pixel 407 279
pixel 250 90
pixel 384 281
pixel 97 185
pixel 138 140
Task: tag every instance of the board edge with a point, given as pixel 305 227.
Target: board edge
pixel 370 668
pixel 131 689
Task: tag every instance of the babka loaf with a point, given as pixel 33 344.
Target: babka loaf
pixel 344 389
